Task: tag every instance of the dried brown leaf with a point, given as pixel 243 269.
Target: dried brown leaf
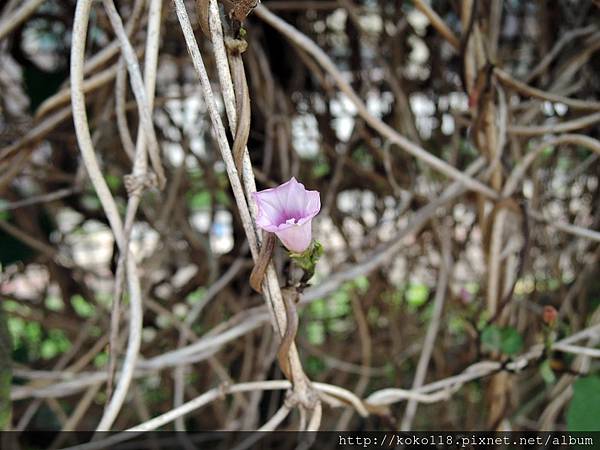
pixel 260 267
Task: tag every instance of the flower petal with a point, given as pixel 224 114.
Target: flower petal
pixel 296 237
pixel 287 210
pixel 313 203
pixel 269 210
pixel 294 197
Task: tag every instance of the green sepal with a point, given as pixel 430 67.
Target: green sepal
pixel 307 260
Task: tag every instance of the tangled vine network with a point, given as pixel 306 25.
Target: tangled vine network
pixel 432 172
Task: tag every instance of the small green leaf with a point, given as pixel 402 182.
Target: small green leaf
pixel 60 340
pixel 315 365
pixel 373 314
pixel 315 332
pixel 362 284
pixel 547 373
pixel 222 198
pixel 547 151
pixel 483 320
pixel 339 304
pixel 54 303
pixel 506 340
pixel 417 294
pixel 16 328
pixel 491 338
pixel 33 332
pixel 456 324
pixel 320 169
pixel 49 349
pixel 82 307
pixel 101 359
pixel 584 410
pixel 318 309
pixel 195 296
pixel 200 200
pixel 390 370
pixel 114 183
pixel 4 214
pixel 512 342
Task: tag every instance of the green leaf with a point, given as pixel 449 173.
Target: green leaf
pixel 506 340
pixel 54 303
pixel 363 156
pixel 33 332
pixel 101 359
pixel 16 328
pixel 196 296
pixel 491 338
pixel 59 339
pixel 200 200
pixel 114 182
pixel 362 284
pixel 339 305
pixel 584 410
pixel 49 349
pixel 512 342
pixel 417 294
pixel 4 214
pixel 320 169
pixel 547 373
pixel 315 332
pixel 222 198
pixel 390 370
pixel 82 307
pixel 315 365
pixel 373 314
pixel 456 324
pixel 547 151
pixel 318 309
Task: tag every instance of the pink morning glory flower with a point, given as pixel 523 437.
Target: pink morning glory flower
pixel 287 211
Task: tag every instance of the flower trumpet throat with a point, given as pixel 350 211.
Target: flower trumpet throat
pixel 287 211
